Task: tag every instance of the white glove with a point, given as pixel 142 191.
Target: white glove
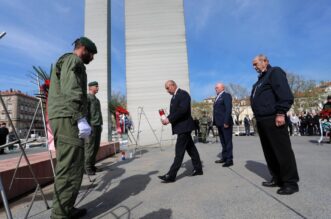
pixel 84 128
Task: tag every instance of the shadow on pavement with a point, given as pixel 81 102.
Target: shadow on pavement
pixel 315 141
pixel 127 187
pixel 259 169
pixel 188 169
pixel 113 171
pixel 160 214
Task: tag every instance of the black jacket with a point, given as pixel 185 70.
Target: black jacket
pixel 180 113
pixel 271 94
pixel 3 135
pixel 222 113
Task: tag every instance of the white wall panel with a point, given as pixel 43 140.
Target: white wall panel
pixel 97 26
pixel 155 52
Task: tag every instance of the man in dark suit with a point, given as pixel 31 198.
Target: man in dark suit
pixel 182 125
pixel 223 120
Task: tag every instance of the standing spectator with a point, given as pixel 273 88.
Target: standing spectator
pixel 271 98
pixel 182 124
pixel 3 136
pixel 223 120
pixel 295 123
pixel 197 127
pixel 204 127
pixel 303 124
pixel 310 124
pixel 327 105
pixel 316 124
pixel 247 123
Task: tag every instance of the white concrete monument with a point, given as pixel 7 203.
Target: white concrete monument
pixel 155 52
pixel 97 28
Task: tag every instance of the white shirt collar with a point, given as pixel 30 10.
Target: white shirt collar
pixel 218 96
pixel 176 91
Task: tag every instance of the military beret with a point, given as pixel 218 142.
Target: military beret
pixel 93 83
pixel 88 44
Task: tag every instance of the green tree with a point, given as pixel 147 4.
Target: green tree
pixel 198 108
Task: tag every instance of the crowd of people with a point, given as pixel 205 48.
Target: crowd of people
pixel 306 124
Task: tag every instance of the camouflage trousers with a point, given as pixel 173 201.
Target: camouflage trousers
pixel 92 147
pixel 69 166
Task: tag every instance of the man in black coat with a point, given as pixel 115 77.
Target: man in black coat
pixel 247 123
pixel 182 125
pixel 222 118
pixel 3 136
pixel 271 98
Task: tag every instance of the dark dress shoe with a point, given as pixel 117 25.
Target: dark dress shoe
pixel 196 173
pixel 167 179
pixel 96 169
pixel 270 184
pixel 228 164
pixel 286 190
pixel 220 161
pixel 78 212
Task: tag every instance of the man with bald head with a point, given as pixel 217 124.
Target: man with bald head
pixel 182 124
pixel 222 118
pixel 271 98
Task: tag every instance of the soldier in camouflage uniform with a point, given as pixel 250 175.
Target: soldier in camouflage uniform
pixel 67 111
pixel 94 118
pixel 204 127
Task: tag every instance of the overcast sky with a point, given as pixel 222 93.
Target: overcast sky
pixel 222 38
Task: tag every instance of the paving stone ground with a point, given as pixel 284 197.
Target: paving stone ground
pixel 131 188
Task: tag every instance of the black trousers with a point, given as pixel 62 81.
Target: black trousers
pixel 185 143
pixel 278 152
pixel 247 130
pixel 226 142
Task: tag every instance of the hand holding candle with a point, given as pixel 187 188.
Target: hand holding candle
pixel 164 119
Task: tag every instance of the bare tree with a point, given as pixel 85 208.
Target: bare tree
pixel 237 91
pixel 239 94
pixel 306 93
pixel 299 84
pixel 199 108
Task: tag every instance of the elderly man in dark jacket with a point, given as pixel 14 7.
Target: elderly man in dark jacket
pixel 222 117
pixel 271 98
pixel 182 124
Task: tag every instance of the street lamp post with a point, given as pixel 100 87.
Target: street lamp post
pixel 2 34
pixel 2 190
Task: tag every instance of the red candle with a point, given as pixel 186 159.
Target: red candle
pixel 162 114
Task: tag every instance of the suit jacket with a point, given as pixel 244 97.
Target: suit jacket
pixel 223 110
pixel 247 121
pixel 180 113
